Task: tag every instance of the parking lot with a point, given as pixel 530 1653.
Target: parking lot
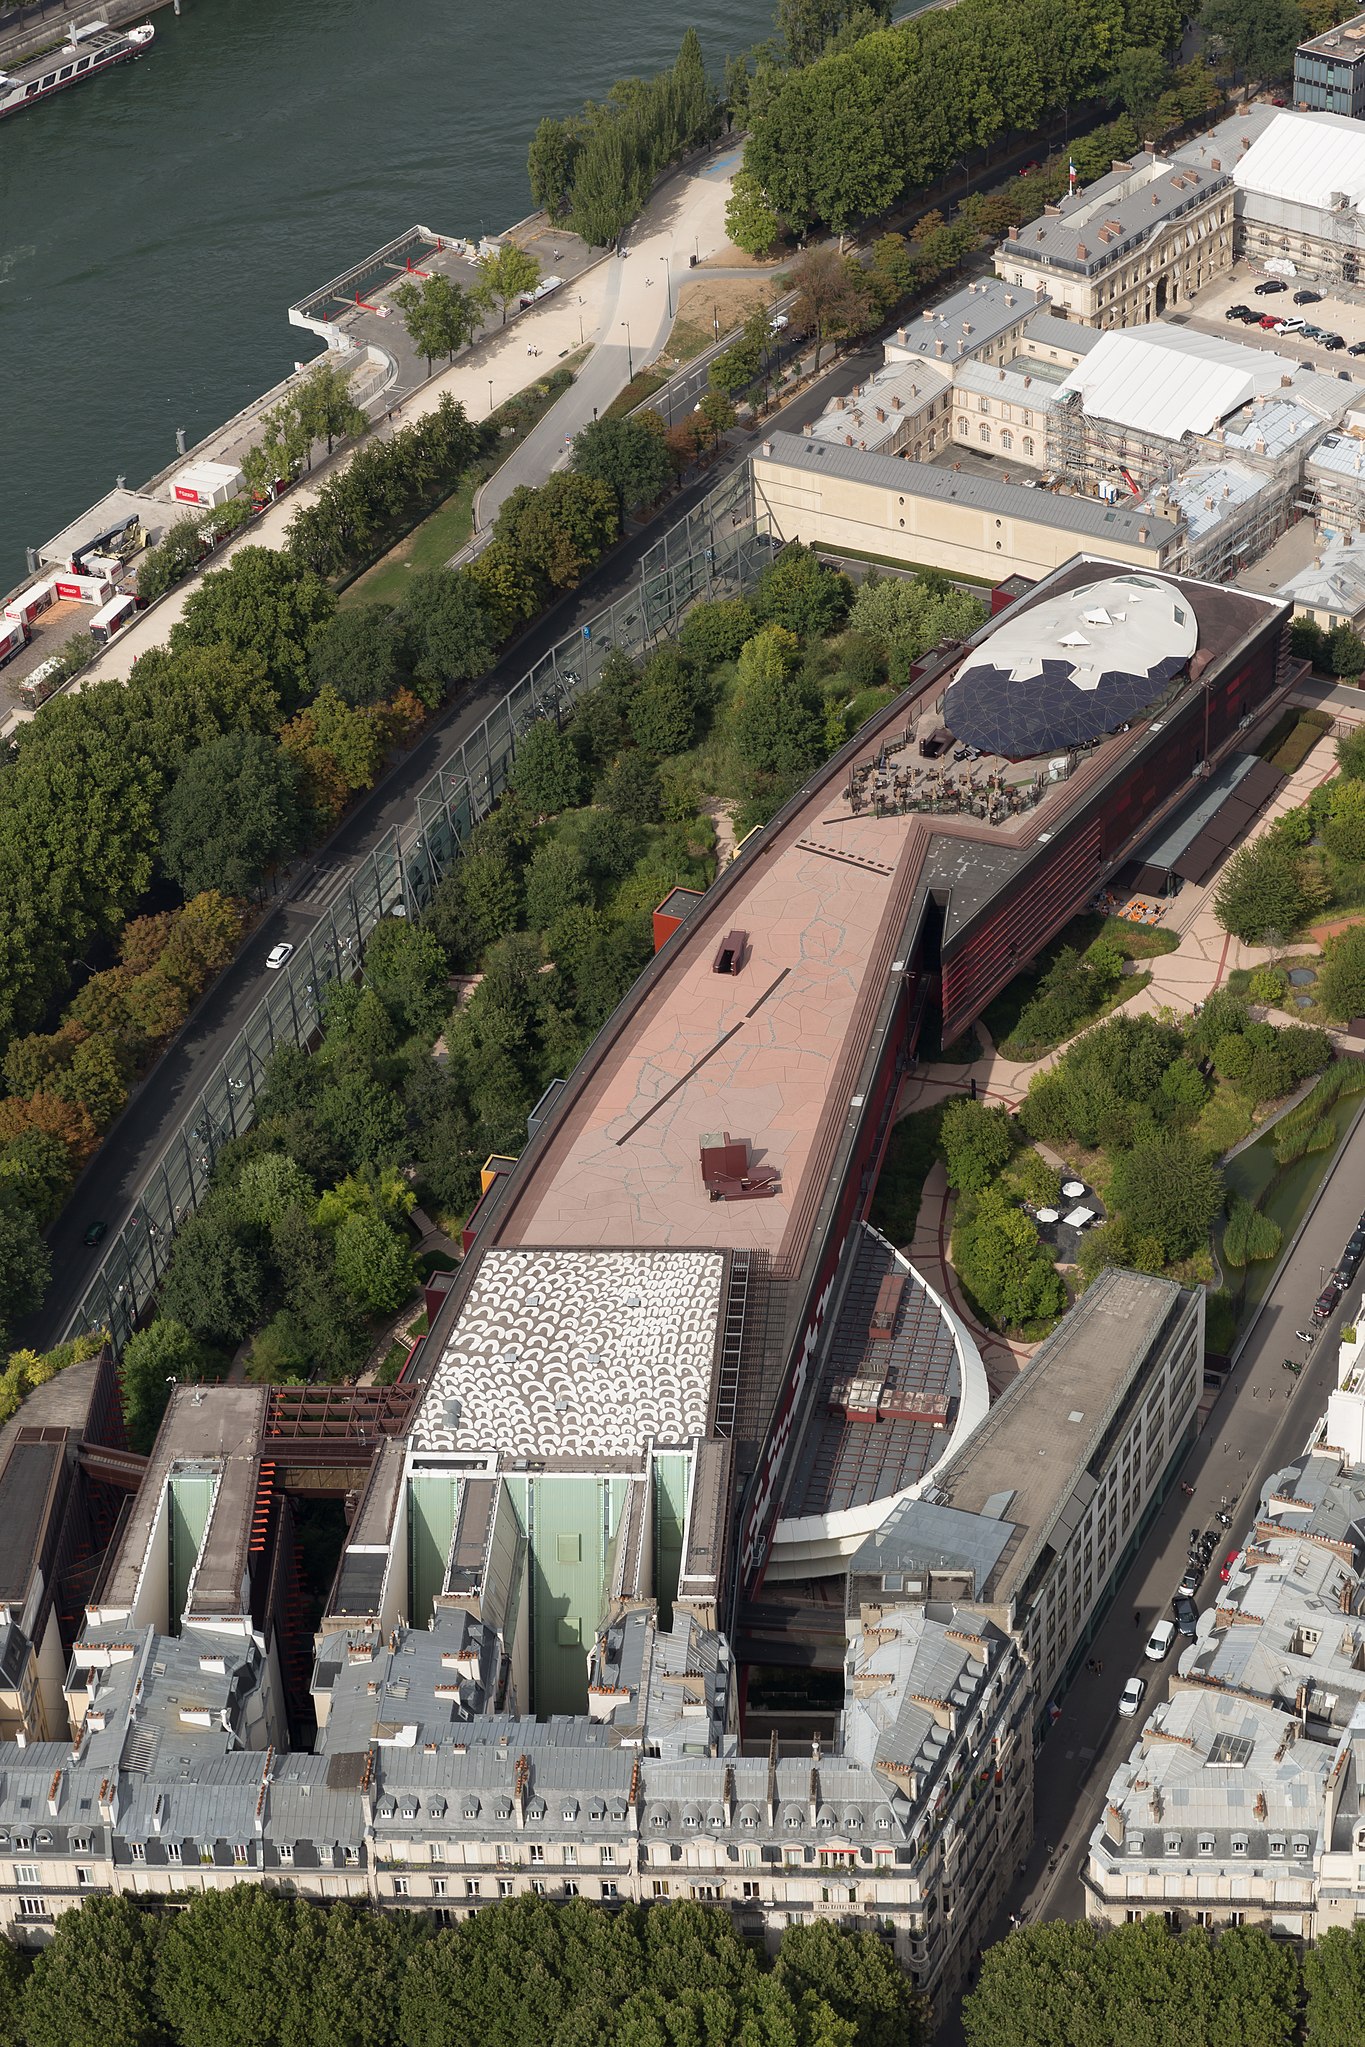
pixel 1335 315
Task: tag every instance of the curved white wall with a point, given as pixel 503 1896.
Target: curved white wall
pixel 814 1545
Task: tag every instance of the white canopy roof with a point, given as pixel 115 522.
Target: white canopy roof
pixel 1172 381
pixel 1304 158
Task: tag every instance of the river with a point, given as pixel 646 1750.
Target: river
pixel 156 223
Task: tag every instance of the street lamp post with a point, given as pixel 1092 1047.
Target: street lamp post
pixel 668 284
pixel 630 359
pixel 490 397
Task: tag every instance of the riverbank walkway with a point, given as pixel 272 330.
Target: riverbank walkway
pixel 620 306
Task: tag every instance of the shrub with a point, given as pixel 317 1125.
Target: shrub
pixel 1268 984
pixel 1039 1182
pixel 1250 1235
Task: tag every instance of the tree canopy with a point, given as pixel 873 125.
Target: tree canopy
pixel 1060 1982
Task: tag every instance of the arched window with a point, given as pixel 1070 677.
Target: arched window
pixel 1007 439
pixel 964 426
pixel 985 431
pixel 1028 444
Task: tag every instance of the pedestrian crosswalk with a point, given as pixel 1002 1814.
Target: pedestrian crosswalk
pixel 319 888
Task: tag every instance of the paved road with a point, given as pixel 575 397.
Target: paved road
pixel 1261 1420
pixel 112 1181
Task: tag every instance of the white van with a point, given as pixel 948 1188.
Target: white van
pixel 1160 1640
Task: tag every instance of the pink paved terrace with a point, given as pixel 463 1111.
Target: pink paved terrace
pixel 753 1053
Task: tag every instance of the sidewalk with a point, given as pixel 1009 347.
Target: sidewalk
pixel 621 306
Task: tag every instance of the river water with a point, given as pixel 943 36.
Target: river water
pixel 156 223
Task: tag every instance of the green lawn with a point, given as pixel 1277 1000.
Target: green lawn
pixel 909 1155
pixel 429 546
pixel 1135 941
pixel 444 531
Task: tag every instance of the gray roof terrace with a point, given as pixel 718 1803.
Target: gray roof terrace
pixel 219 1428
pixel 1102 224
pixel 1025 1462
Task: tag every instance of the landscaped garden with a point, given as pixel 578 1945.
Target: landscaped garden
pixel 1139 1109
pixel 1307 868
pixel 1081 978
pixel 301 1255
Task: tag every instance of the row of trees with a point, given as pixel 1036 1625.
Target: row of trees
pixel 303 1242
pixel 383 488
pixel 593 172
pixel 226 753
pixel 845 137
pixel 248 1966
pixel 1062 1983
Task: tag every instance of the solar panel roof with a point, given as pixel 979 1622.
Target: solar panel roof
pixel 1064 673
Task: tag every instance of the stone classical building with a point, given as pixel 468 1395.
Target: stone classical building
pixel 1139 242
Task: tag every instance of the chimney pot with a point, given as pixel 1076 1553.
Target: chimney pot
pixel 767 447
pixel 1142 532
pixel 848 440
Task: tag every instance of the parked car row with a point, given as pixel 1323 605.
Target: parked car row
pixel 1290 323
pixel 1343 1273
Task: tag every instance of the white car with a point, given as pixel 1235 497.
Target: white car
pixel 1160 1640
pixel 1130 1698
pixel 778 322
pixel 277 956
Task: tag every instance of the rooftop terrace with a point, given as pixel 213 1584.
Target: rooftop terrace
pixel 828 900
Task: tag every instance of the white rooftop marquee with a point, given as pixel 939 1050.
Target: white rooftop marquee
pixel 1173 381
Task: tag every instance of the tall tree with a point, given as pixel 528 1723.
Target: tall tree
pixel 231 815
pixel 629 455
pixel 447 626
pixel 506 273
pixel 1260 36
pixel 163 1351
pixel 831 295
pixel 94 1982
pixel 550 166
pixel 562 527
pixel 805 26
pixel 261 606
pixel 439 316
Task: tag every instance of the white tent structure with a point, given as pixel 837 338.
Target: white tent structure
pixel 1172 381
pixel 1306 159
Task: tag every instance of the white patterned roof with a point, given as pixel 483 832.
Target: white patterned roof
pixel 577 1354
